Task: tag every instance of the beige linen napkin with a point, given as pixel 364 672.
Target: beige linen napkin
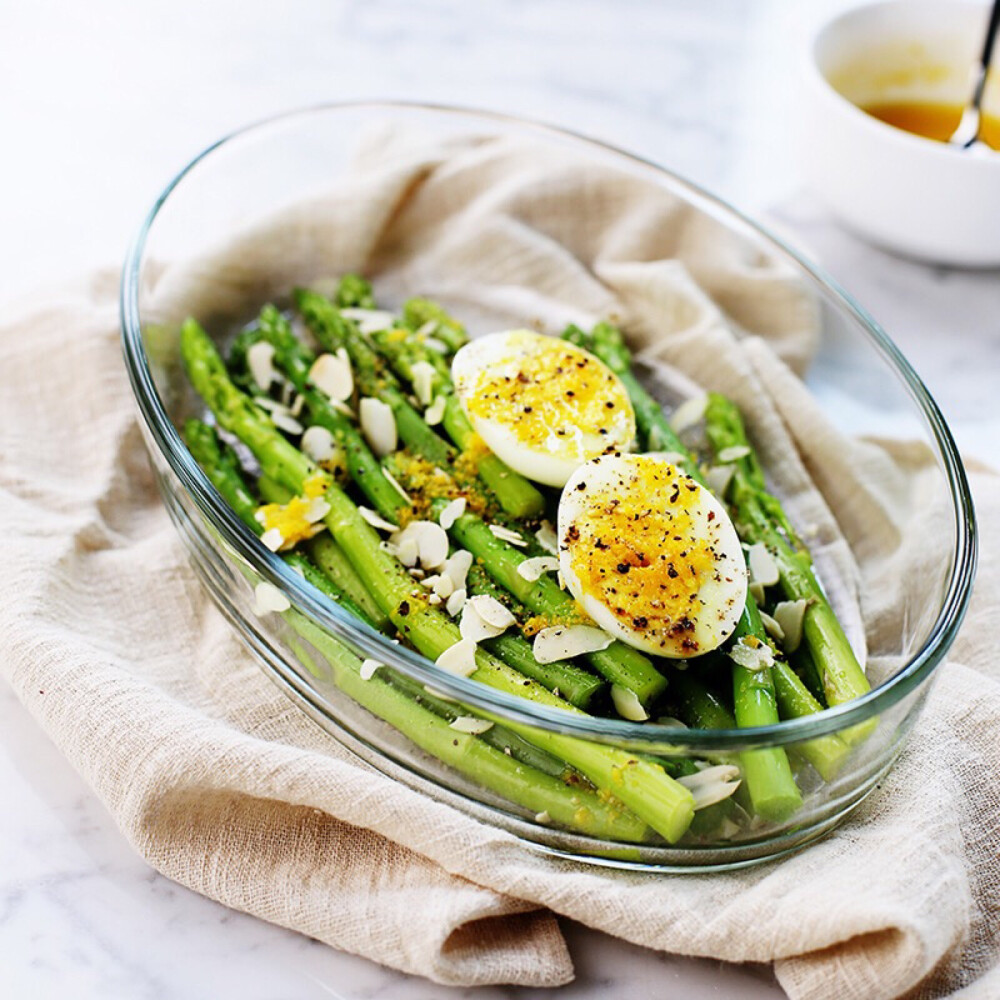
pixel 226 787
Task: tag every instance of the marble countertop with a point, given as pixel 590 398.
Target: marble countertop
pixel 111 97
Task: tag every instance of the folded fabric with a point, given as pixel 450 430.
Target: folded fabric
pixel 223 785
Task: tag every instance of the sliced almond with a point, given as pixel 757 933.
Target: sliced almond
pixel 543 817
pixel 452 512
pixel 459 659
pixel 426 329
pixel 399 489
pixel 473 626
pixel 457 567
pixel 627 704
pixel 318 443
pixel 763 568
pixel 267 598
pixel 260 361
pixel 332 375
pixel 752 654
pixel 436 345
pixel 790 616
pixel 273 539
pixel 434 413
pixel 422 374
pixel 711 785
pixel 547 538
pixel 732 454
pixel 408 552
pixel 719 477
pixel 370 320
pixel 532 569
pixel 456 602
pixel 444 587
pixel 368 669
pixel 376 520
pixel 673 457
pixel 558 642
pixel 771 626
pixel 688 414
pixel 508 535
pixel 284 421
pixel 493 612
pixel 318 509
pixel 471 725
pixel 378 424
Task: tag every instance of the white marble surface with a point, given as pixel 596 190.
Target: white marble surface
pixel 105 100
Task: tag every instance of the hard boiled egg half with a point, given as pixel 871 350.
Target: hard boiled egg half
pixel 542 405
pixel 651 555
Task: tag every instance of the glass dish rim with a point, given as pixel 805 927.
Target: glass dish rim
pixel 331 617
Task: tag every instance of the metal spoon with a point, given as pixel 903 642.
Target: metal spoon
pixel 967 133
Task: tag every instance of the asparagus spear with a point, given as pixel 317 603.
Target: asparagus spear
pixel 759 518
pixel 370 371
pixel 643 786
pixel 620 664
pixel 516 495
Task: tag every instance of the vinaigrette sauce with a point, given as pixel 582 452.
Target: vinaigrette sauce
pixel 933 121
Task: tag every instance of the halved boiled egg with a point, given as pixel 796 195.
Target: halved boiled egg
pixel 543 405
pixel 651 556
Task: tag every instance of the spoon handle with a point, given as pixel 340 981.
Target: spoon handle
pixel 991 35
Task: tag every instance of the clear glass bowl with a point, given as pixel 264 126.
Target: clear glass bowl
pixel 861 380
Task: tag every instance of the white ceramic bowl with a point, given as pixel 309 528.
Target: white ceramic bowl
pixel 909 194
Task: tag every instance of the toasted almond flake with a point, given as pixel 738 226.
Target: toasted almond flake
pixel 459 659
pixel 318 443
pixel 558 642
pixel 342 407
pixel 790 615
pixel 711 785
pixel 473 626
pixel 332 375
pixel 368 669
pixel 688 414
pixel 444 587
pixel 547 538
pixel 260 361
pixel 417 573
pixel 763 568
pixel 733 454
pixel 470 724
pixel 317 510
pixel 493 612
pixel 378 424
pixel 746 654
pixel 772 626
pixel 395 485
pixel 271 405
pixel 532 569
pixel 456 602
pixel 543 817
pixel 376 520
pixel 719 477
pixel 273 539
pixel 457 567
pixel 286 423
pixel 426 329
pixel 430 580
pixel 370 320
pixel 422 375
pixel 267 598
pixel 432 545
pixel 297 404
pixel 627 704
pixel 407 552
pixel 433 599
pixel 452 512
pixel 507 535
pixel 434 413
pixel 436 345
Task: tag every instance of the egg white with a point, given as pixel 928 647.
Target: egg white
pixel 554 413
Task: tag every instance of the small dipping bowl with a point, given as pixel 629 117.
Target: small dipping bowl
pixel 917 196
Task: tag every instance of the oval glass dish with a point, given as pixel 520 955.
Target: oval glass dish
pixel 264 211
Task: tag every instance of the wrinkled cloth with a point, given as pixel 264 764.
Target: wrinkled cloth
pixel 225 786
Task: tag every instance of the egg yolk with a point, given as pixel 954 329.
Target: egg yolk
pixel 551 394
pixel 641 552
